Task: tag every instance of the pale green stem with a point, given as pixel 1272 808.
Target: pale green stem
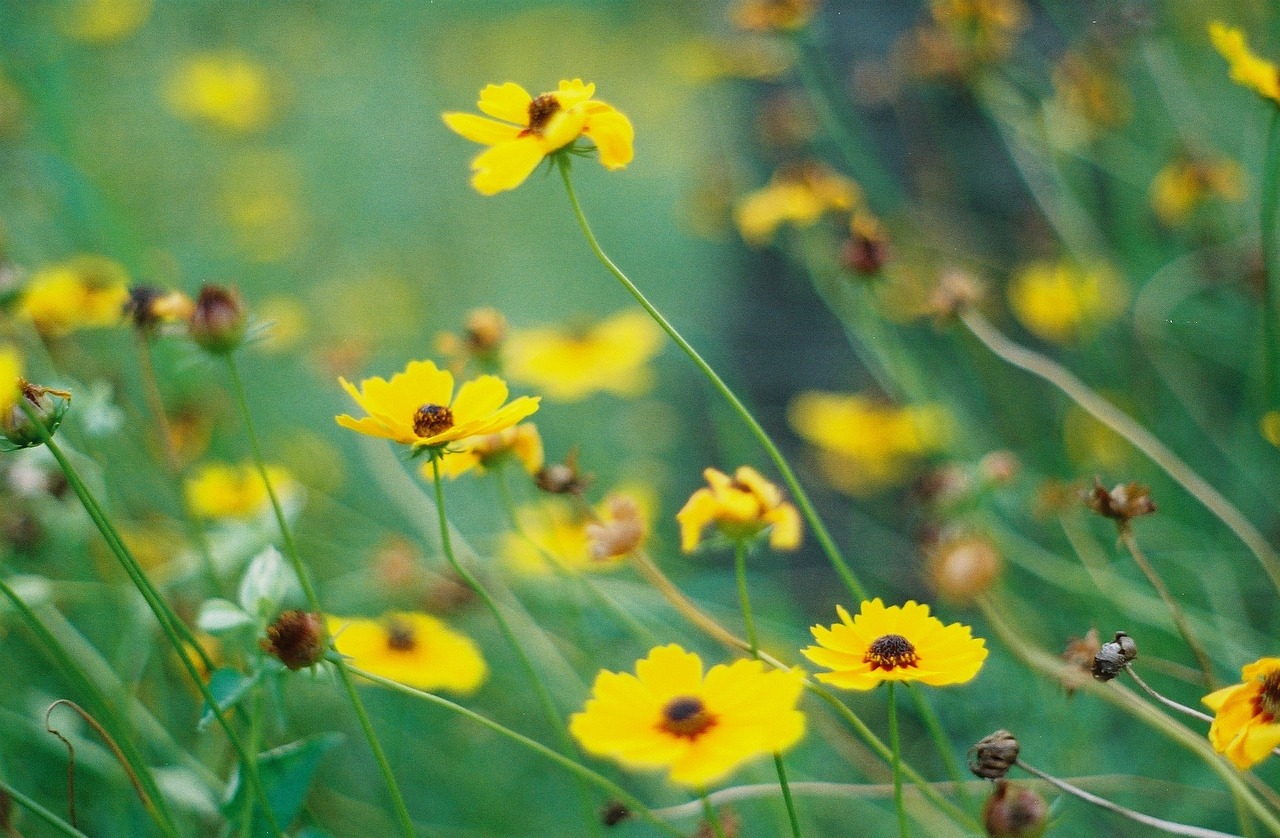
pixel 403 818
pixel 56 823
pixel 709 813
pixel 581 771
pixel 780 462
pixel 940 741
pixel 903 828
pixel 1271 267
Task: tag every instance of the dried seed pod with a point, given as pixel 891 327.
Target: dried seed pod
pixel 994 755
pixel 1114 656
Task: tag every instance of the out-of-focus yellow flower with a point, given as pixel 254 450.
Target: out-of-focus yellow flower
pixel 10 373
pixel 1247 69
pixel 865 445
pixel 1088 88
pixel 536 127
pixel 741 507
pixel 82 293
pixel 773 15
pixel 703 60
pixel 219 490
pixel 1269 425
pixel 1060 301
pixel 895 643
pixel 568 364
pixel 261 200
pixel 554 530
pixel 152 542
pixel 479 453
pixel 227 89
pixel 798 196
pixel 1246 722
pixel 982 30
pixel 286 321
pixel 103 21
pixel 1183 186
pixel 669 715
pixel 412 648
pixel 418 407
pixel 484 332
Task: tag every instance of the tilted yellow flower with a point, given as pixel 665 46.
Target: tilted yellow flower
pixel 895 643
pixel 418 407
pixel 799 196
pixel 1247 69
pixel 1060 301
pixel 227 89
pixel 741 507
pixel 82 293
pixel 10 373
pixel 535 127
pixel 479 453
pixel 1246 722
pixel 568 364
pixel 556 531
pixel 219 490
pixel 669 715
pixel 412 648
pixel 1183 186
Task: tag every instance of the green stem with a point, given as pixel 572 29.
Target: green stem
pixel 939 737
pixel 896 745
pixel 544 697
pixel 57 823
pixel 709 812
pixel 780 462
pixel 581 771
pixel 313 602
pixel 1271 267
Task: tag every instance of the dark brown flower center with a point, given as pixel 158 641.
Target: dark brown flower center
pixel 541 110
pixel 686 716
pixel 400 637
pixel 432 419
pixel 890 652
pixel 1267 704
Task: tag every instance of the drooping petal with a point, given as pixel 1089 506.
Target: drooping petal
pixel 612 133
pixel 481 130
pixel 507 101
pixel 506 166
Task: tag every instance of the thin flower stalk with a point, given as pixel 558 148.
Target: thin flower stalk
pixel 810 514
pixel 904 828
pixel 586 774
pixel 1167 702
pixel 1138 436
pixel 1271 265
pixel 934 726
pixel 54 822
pixel 405 822
pixel 709 814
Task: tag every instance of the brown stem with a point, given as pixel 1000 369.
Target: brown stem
pixel 71 765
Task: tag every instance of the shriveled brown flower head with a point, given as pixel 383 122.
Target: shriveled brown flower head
pixel 1014 812
pixel 956 290
pixel 563 478
pixel 1114 656
pixel 296 638
pixel 621 533
pixel 993 755
pixel 1121 504
pixel 1079 655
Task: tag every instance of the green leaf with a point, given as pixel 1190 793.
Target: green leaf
pixel 227 686
pixel 286 774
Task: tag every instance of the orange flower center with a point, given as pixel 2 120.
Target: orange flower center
pixel 890 652
pixel 432 419
pixel 687 717
pixel 1267 704
pixel 541 110
pixel 400 637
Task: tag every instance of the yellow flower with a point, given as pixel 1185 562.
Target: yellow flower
pixel 418 407
pixel 798 196
pixel 669 715
pixel 895 643
pixel 539 126
pixel 104 21
pixel 1269 425
pixel 1247 69
pixel 741 507
pixel 555 530
pixel 412 648
pixel 1245 726
pixel 226 89
pixel 82 293
pixel 773 15
pixel 986 28
pixel 218 490
pixel 864 445
pixel 1059 301
pixel 482 452
pixel 569 364
pixel 1183 186
pixel 10 373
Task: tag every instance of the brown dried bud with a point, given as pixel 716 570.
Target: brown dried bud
pixel 297 638
pixel 956 290
pixel 963 568
pixel 486 328
pixel 218 320
pixel 994 755
pixel 1114 656
pixel 1014 812
pixel 867 250
pixel 1122 504
pixel 621 532
pixel 614 813
pixel 1079 654
pixel 944 486
pixel 563 478
pixel 1000 468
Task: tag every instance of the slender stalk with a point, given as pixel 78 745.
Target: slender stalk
pixel 53 821
pixel 1271 267
pixel 709 813
pixel 740 566
pixel 1167 702
pixel 613 789
pixel 903 828
pixel 939 737
pixel 780 462
pixel 403 818
pixel 1137 436
pixel 1179 619
pixel 1171 827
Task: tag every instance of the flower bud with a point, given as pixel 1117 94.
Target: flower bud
pixel 621 531
pixel 1014 812
pixel 563 478
pixel 20 429
pixel 956 290
pixel 1122 504
pixel 297 638
pixel 994 755
pixel 962 569
pixel 1114 656
pixel 219 319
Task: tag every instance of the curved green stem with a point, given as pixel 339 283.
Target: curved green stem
pixel 903 829
pixel 709 813
pixel 613 789
pixel 313 602
pixel 780 462
pixel 53 821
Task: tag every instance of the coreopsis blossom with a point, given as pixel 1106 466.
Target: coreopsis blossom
pixel 229 90
pixel 1185 185
pixel 773 15
pixel 895 643
pixel 1060 301
pixel 10 375
pixel 700 727
pixel 103 21
pixel 799 196
pixel 480 453
pixel 534 127
pixel 220 490
pixel 412 648
pixel 865 445
pixel 741 507
pixel 86 292
pixel 1247 69
pixel 1245 726
pixel 569 363
pixel 555 530
pixel 418 407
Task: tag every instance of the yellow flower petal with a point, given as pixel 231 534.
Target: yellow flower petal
pixel 481 130
pixel 412 648
pixel 507 101
pixel 505 166
pixel 612 133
